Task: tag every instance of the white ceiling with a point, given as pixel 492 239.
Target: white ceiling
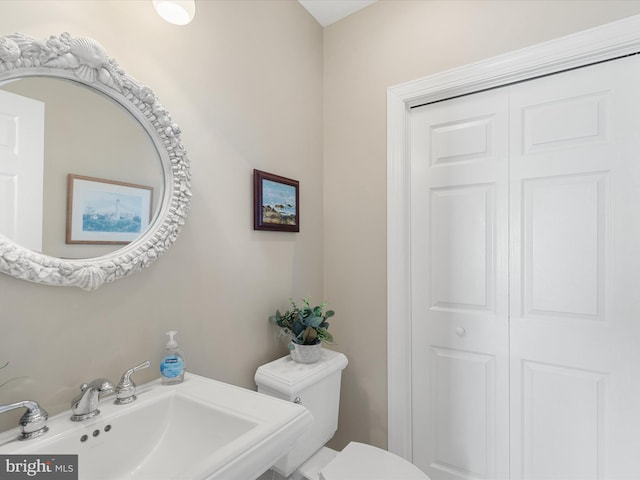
pixel 327 12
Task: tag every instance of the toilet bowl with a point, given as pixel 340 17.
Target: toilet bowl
pixel 317 387
pixel 359 461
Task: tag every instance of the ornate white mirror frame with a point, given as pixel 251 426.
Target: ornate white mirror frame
pixel 85 61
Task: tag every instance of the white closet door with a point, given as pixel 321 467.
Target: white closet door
pixel 525 250
pixel 575 274
pixel 21 169
pixel 460 260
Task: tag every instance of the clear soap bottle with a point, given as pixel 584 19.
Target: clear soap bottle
pixel 172 364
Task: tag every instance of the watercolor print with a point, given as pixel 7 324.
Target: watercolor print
pixel 105 211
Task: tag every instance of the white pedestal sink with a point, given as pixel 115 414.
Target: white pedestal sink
pixel 199 429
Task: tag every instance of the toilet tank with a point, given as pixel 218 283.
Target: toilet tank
pixel 314 385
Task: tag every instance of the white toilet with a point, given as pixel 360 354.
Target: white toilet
pixel 317 387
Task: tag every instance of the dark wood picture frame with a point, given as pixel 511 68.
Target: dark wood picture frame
pixel 276 202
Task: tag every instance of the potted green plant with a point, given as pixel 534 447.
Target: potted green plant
pixel 307 328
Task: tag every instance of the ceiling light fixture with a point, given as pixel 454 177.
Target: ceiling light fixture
pixel 178 12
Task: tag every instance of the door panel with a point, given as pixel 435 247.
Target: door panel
pixel 462 272
pixel 562 411
pixel 463 399
pixel 564 217
pixel 460 330
pixel 574 275
pixel 577 120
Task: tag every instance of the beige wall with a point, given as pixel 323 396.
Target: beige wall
pixel 387 43
pixel 244 83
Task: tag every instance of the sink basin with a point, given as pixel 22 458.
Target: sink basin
pixel 199 429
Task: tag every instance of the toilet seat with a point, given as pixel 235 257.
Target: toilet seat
pixel 359 461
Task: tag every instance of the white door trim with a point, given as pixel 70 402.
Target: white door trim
pixel 590 46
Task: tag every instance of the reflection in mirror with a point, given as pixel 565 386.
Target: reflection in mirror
pixel 85 133
pixel 119 153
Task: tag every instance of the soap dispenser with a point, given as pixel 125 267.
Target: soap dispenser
pixel 172 364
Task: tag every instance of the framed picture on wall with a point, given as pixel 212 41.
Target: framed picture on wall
pixel 105 212
pixel 276 203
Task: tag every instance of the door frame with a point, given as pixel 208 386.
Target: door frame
pixel 598 44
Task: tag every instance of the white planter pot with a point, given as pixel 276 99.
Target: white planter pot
pixel 305 353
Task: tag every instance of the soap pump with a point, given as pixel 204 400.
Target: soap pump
pixel 172 364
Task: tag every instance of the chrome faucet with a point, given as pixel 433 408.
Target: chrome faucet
pixel 126 389
pixel 34 421
pixel 85 405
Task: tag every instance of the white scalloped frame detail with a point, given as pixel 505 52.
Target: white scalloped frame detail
pixel 85 61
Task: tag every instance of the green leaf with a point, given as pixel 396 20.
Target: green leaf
pixel 309 336
pixel 324 335
pixel 315 322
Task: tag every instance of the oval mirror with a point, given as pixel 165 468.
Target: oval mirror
pixel 94 180
pixel 80 125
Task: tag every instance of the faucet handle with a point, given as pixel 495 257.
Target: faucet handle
pixel 126 389
pixel 34 421
pixel 102 385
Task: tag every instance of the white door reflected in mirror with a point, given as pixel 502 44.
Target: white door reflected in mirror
pixel 21 169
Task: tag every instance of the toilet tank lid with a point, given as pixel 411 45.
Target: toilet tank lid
pixel 288 377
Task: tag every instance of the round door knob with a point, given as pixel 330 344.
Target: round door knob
pixel 460 331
